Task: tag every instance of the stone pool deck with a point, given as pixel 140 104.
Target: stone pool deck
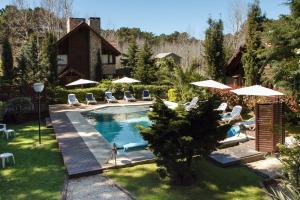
pixel 84 150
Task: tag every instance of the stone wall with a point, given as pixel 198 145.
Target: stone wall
pixel 109 69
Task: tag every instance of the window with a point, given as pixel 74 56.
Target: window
pixel 107 59
pixel 62 59
pixel 104 59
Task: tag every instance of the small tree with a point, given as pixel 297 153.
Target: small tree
pixel 145 69
pixel 214 50
pixel 252 63
pixel 289 156
pixel 99 70
pixel 130 58
pixel 176 136
pixel 49 57
pixel 7 59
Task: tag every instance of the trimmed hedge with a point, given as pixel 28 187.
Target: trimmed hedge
pixel 60 95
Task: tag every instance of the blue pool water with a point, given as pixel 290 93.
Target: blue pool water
pixel 119 124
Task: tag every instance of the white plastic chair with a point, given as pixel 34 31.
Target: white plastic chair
pixel 90 99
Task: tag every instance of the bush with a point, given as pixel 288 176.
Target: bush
pixel 172 95
pixel 60 95
pixel 19 110
pixel 2 110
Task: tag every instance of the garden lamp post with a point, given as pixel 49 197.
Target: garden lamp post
pixel 38 88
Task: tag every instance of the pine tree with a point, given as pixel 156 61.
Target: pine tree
pixel 49 57
pixel 214 50
pixel 99 70
pixel 145 69
pixel 28 69
pixel 252 63
pixel 130 58
pixel 7 59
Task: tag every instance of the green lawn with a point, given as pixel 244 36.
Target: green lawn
pixel 38 173
pixel 213 183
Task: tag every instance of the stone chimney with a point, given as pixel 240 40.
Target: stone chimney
pixel 94 23
pixel 73 22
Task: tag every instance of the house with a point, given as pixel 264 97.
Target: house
pixel 234 70
pixel 175 57
pixel 78 51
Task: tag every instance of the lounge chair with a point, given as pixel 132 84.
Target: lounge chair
pixel 2 127
pixel 90 99
pixel 72 100
pixel 170 104
pixel 128 96
pixel 235 114
pixel 146 95
pixel 190 105
pixel 222 107
pixel 109 97
pixel 248 124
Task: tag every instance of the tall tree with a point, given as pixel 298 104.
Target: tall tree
pixel 145 69
pixel 214 50
pixel 253 65
pixel 130 58
pixel 99 69
pixel 28 69
pixel 49 57
pixel 7 59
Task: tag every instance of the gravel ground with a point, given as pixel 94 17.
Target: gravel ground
pixel 95 187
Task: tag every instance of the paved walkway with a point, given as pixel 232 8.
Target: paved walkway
pixel 95 187
pixel 76 155
pixel 269 168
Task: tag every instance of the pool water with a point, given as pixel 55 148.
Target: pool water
pixel 119 124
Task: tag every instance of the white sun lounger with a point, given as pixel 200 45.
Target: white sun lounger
pixel 222 107
pixel 109 97
pixel 128 96
pixel 90 99
pixel 233 115
pixel 72 100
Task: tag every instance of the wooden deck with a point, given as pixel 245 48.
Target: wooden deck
pixel 242 153
pixel 78 159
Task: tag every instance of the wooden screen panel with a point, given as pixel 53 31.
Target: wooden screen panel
pixel 269 126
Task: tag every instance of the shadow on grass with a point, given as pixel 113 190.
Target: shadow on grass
pixel 213 183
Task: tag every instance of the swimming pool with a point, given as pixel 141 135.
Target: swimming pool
pixel 118 124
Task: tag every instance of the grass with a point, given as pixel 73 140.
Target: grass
pixel 38 173
pixel 213 183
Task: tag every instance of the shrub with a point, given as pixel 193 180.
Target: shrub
pixel 176 136
pixel 60 95
pixel 172 95
pixel 19 110
pixel 2 110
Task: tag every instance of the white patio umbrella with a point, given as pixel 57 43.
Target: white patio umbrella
pixel 126 80
pixel 82 82
pixel 256 90
pixel 211 84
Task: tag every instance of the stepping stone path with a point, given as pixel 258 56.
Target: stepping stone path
pixel 95 187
